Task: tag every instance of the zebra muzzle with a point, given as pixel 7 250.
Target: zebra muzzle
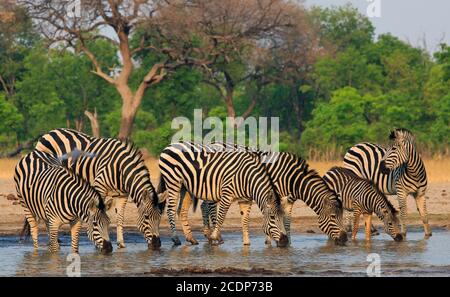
pixel 398 237
pixel 155 243
pixel 106 247
pixel 342 239
pixel 283 242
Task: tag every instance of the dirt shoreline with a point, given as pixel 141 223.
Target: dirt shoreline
pixel 304 219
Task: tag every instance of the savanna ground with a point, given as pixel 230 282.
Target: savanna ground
pixel 438 202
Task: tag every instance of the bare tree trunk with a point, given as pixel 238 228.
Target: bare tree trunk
pixel 79 124
pixel 94 122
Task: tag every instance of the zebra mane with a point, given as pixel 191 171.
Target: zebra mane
pixel 355 176
pixel 135 152
pixel 401 133
pixel 389 205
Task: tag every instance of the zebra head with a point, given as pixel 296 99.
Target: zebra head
pixel 398 153
pixel 330 219
pixel 273 216
pixel 149 216
pixel 98 224
pixel 389 215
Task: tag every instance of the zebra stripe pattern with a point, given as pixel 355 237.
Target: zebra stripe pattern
pixel 396 170
pixel 293 181
pixel 363 197
pixel 54 194
pixel 118 170
pixel 219 176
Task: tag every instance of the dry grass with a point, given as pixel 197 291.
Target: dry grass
pixel 7 168
pixel 438 170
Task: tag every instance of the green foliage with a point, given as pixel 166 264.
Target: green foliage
pixel 343 26
pixel 10 123
pixel 358 90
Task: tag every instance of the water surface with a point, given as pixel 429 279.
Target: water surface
pixel 310 254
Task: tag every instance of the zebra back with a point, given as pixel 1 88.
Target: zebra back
pixel 45 187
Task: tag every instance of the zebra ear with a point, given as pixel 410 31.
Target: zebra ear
pixel 270 198
pixel 285 200
pixel 109 204
pixel 162 197
pixel 94 204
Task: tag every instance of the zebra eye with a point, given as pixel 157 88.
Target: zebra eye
pixel 94 224
pixel 147 217
pixel 272 217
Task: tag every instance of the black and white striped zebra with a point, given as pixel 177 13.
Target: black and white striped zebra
pixel 362 197
pixel 396 170
pixel 118 170
pixel 293 180
pixel 54 194
pixel 220 177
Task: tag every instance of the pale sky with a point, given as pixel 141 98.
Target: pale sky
pixel 411 20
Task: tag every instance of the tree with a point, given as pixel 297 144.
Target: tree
pixel 17 36
pixel 114 21
pixel 234 39
pixel 10 123
pixel 342 27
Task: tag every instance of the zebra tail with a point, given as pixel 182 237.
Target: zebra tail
pixel 180 202
pixel 194 204
pixel 26 230
pixel 161 186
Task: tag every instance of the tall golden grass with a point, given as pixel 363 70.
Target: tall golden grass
pixel 438 170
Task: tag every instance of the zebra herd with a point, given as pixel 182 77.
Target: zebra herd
pixel 72 178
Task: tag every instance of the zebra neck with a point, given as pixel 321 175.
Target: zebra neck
pixel 311 201
pixel 415 167
pixel 82 209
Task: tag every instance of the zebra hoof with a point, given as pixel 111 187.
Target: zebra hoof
pixel 246 243
pixel 193 241
pixel 120 245
pixel 176 241
pixel 428 235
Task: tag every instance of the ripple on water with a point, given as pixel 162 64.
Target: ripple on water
pixel 310 254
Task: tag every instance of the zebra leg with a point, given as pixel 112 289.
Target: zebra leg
pixel 184 219
pixel 422 209
pixel 224 205
pixel 34 228
pixel 206 213
pixel 245 216
pixel 213 217
pixel 75 227
pixel 402 197
pixel 368 225
pixel 53 228
pixel 172 201
pixel 287 220
pixel 121 202
pixel 348 217
pixel 356 215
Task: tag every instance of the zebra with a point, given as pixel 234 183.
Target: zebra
pixel 48 191
pixel 118 171
pixel 395 170
pixel 362 197
pixel 219 176
pixel 293 181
